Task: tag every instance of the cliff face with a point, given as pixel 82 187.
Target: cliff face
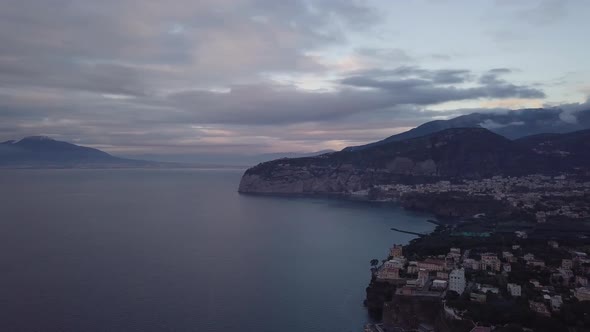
pixel 465 152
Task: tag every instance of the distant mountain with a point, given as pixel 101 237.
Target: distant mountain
pixel 571 149
pixel 455 153
pixel 512 124
pixel 41 151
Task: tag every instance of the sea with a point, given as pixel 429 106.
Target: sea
pixel 181 250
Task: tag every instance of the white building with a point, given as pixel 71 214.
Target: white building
pixel 514 289
pixel 457 281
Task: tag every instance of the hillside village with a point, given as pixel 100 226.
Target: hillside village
pixel 482 289
pixel 542 197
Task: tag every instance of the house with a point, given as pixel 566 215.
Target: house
pixel 431 264
pixel 581 281
pixel 507 267
pixel 507 255
pixel 489 262
pixel 388 273
pixel 514 289
pixel 582 293
pixel 439 285
pixel 487 288
pixel 397 263
pixel 454 254
pixel 476 297
pixel 535 283
pixel 442 275
pixel 457 280
pixel 536 263
pixel 567 264
pixel 471 263
pixel 422 277
pixel 515 247
pixel 556 302
pixel 539 308
pixel 396 251
pixel 412 267
pixel 528 257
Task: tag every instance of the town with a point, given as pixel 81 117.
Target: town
pixel 543 198
pixel 499 287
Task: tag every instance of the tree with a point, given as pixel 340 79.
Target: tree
pixel 374 262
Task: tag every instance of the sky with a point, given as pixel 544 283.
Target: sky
pixel 223 77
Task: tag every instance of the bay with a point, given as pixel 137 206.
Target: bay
pixel 181 250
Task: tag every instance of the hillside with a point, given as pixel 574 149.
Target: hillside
pixel 513 125
pixel 448 154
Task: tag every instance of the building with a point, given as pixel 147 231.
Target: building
pixel 471 263
pixel 507 267
pixel 431 264
pixel 581 281
pixel 422 277
pixel 397 263
pixel 490 262
pixel 439 284
pixel 528 257
pixel 556 302
pixel 553 244
pixel 442 275
pixel 540 308
pixel 388 273
pixel 536 263
pixel 508 256
pixel 396 251
pixel 412 267
pixel 514 289
pixel 567 264
pixel 457 281
pixel 488 288
pixel 582 293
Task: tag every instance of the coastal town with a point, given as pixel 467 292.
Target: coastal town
pixel 543 198
pixel 492 286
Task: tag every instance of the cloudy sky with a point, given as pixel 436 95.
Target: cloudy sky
pixel 140 77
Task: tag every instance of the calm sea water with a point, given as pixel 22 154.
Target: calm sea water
pixel 181 250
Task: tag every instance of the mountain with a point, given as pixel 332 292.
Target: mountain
pixel 513 124
pixel 572 149
pixel 41 151
pixel 455 153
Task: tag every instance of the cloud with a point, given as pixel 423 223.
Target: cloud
pixel 184 76
pixel 411 85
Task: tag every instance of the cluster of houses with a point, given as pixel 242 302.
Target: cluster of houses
pixel 555 193
pixel 434 276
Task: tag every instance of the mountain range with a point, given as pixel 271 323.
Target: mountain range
pixel 503 141
pixel 513 124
